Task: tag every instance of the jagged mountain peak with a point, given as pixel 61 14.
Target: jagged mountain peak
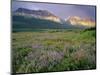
pixel 76 20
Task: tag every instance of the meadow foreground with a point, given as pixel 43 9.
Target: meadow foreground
pixel 53 50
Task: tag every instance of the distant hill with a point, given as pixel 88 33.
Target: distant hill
pixel 34 23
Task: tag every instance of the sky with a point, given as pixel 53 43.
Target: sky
pixel 61 10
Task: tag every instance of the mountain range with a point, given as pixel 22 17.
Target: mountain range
pixel 41 14
pixel 26 18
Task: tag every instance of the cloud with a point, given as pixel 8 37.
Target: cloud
pixel 61 10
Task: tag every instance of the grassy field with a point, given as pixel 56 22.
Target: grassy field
pixel 53 50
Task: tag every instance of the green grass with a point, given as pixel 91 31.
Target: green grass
pixel 53 50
